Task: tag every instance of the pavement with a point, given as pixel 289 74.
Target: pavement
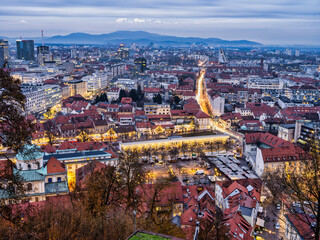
pixel 270 232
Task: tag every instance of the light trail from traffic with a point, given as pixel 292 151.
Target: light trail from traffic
pixel 205 104
pixel 202 96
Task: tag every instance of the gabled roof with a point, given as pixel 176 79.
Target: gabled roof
pixel 48 149
pixel 55 166
pixel 266 138
pixel 283 154
pixel 300 223
pixel 66 145
pixel 189 217
pixel 235 185
pixel 84 172
pixel 238 226
pixel 201 114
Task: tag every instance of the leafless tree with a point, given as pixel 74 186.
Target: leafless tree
pixel 297 184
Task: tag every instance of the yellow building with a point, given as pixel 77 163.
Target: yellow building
pixel 172 141
pixel 77 87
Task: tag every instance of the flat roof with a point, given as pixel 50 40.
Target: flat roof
pixel 174 140
pixel 77 155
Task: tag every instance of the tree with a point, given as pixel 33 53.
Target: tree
pixel 15 132
pixel 134 95
pixel 299 186
pixel 52 139
pixel 139 92
pixel 83 136
pixel 157 98
pixel 122 94
pixel 227 145
pixel 218 145
pixel 101 98
pixel 49 114
pixel 158 221
pixel 213 228
pixel 133 174
pixel 174 153
pixel 176 99
pixel 103 191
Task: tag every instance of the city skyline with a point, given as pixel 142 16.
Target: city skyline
pixel 276 22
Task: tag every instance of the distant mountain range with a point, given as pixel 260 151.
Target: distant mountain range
pixel 140 37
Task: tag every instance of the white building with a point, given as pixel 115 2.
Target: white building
pixel 261 83
pixel 35 100
pixel 126 83
pixel 113 94
pixel 217 104
pixel 53 95
pixel 96 82
pixel 157 109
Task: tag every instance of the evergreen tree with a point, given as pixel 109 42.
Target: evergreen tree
pixel 122 94
pixel 139 92
pixel 176 100
pixel 157 99
pixel 134 95
pixel 101 98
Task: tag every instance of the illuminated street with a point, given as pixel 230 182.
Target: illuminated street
pixel 205 104
pixel 202 96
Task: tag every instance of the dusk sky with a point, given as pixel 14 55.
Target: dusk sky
pixel 265 21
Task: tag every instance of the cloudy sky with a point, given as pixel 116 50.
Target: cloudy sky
pixel 266 21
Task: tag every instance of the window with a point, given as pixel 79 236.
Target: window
pixel 29 166
pixel 59 179
pixel 49 180
pixel 38 165
pixel 29 186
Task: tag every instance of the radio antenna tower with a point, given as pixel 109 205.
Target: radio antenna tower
pixel 42 37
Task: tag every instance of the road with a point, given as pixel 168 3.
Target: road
pixel 205 104
pixel 202 96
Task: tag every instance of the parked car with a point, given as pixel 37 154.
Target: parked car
pixel 277 226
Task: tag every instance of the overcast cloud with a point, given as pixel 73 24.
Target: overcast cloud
pixel 266 21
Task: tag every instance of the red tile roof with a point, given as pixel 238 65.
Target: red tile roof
pixel 266 138
pixel 238 226
pixel 283 154
pixel 66 145
pixel 201 114
pixel 301 224
pixel 48 149
pixel 55 166
pixel 152 90
pixel 84 172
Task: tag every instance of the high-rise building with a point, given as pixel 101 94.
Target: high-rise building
pixel 4 51
pixel 297 53
pixel 43 49
pixel 123 53
pixel 25 50
pixel 141 65
pixel 288 52
pixel 44 54
pixel 222 56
